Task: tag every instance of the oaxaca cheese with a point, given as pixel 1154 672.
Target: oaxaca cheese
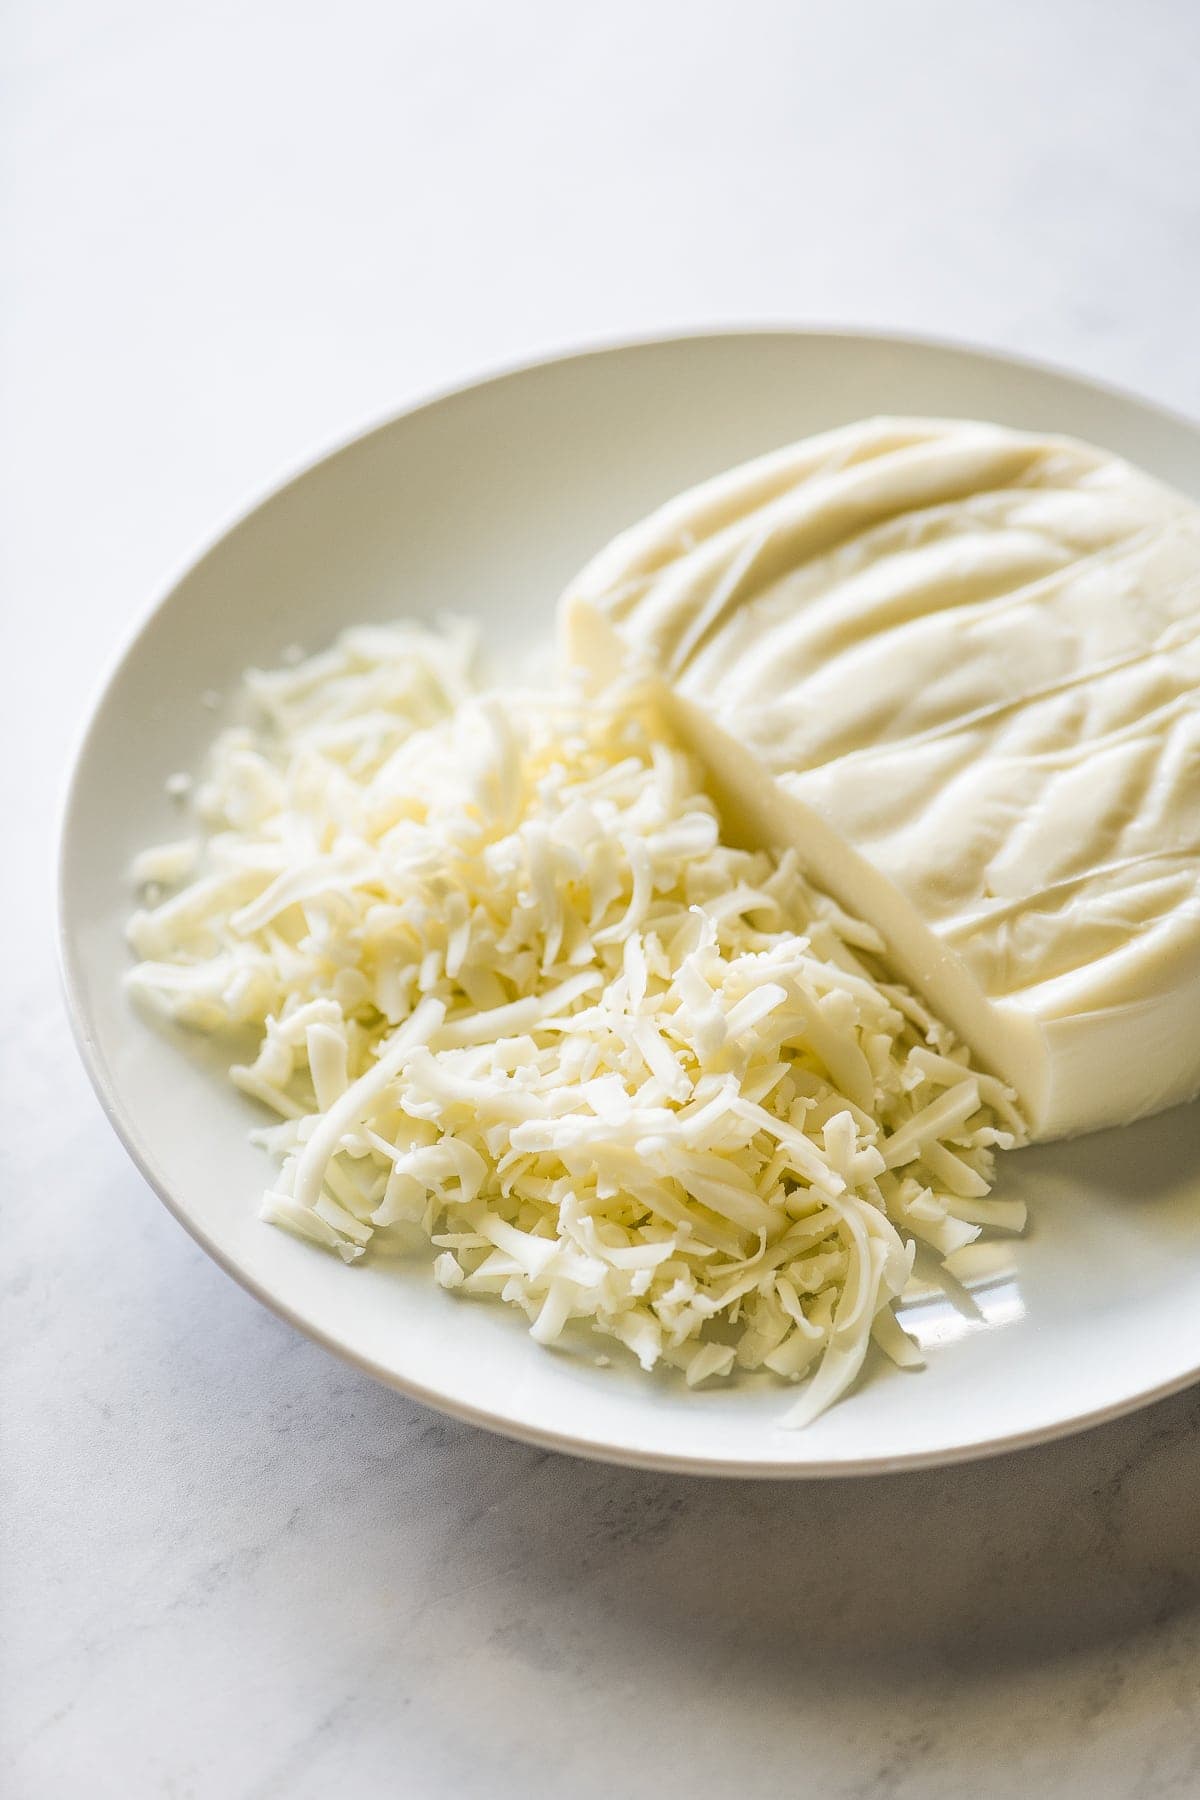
pixel 958 668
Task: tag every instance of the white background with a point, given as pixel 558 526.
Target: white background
pixel 232 233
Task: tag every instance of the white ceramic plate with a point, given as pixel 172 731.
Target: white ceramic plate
pixel 483 502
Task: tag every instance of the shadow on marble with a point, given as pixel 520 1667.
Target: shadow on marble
pixel 440 1529
pixel 1006 1563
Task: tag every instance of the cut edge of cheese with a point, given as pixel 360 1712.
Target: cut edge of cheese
pixel 1070 1071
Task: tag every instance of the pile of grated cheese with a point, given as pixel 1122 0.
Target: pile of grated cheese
pixel 514 997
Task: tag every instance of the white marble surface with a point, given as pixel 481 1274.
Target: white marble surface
pixel 233 1569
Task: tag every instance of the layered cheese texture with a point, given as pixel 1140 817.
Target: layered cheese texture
pixel 957 668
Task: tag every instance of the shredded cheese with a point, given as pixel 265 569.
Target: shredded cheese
pixel 517 1000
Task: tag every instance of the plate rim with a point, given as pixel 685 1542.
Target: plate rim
pixel 69 962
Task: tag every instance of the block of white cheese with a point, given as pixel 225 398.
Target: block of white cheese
pixel 958 667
